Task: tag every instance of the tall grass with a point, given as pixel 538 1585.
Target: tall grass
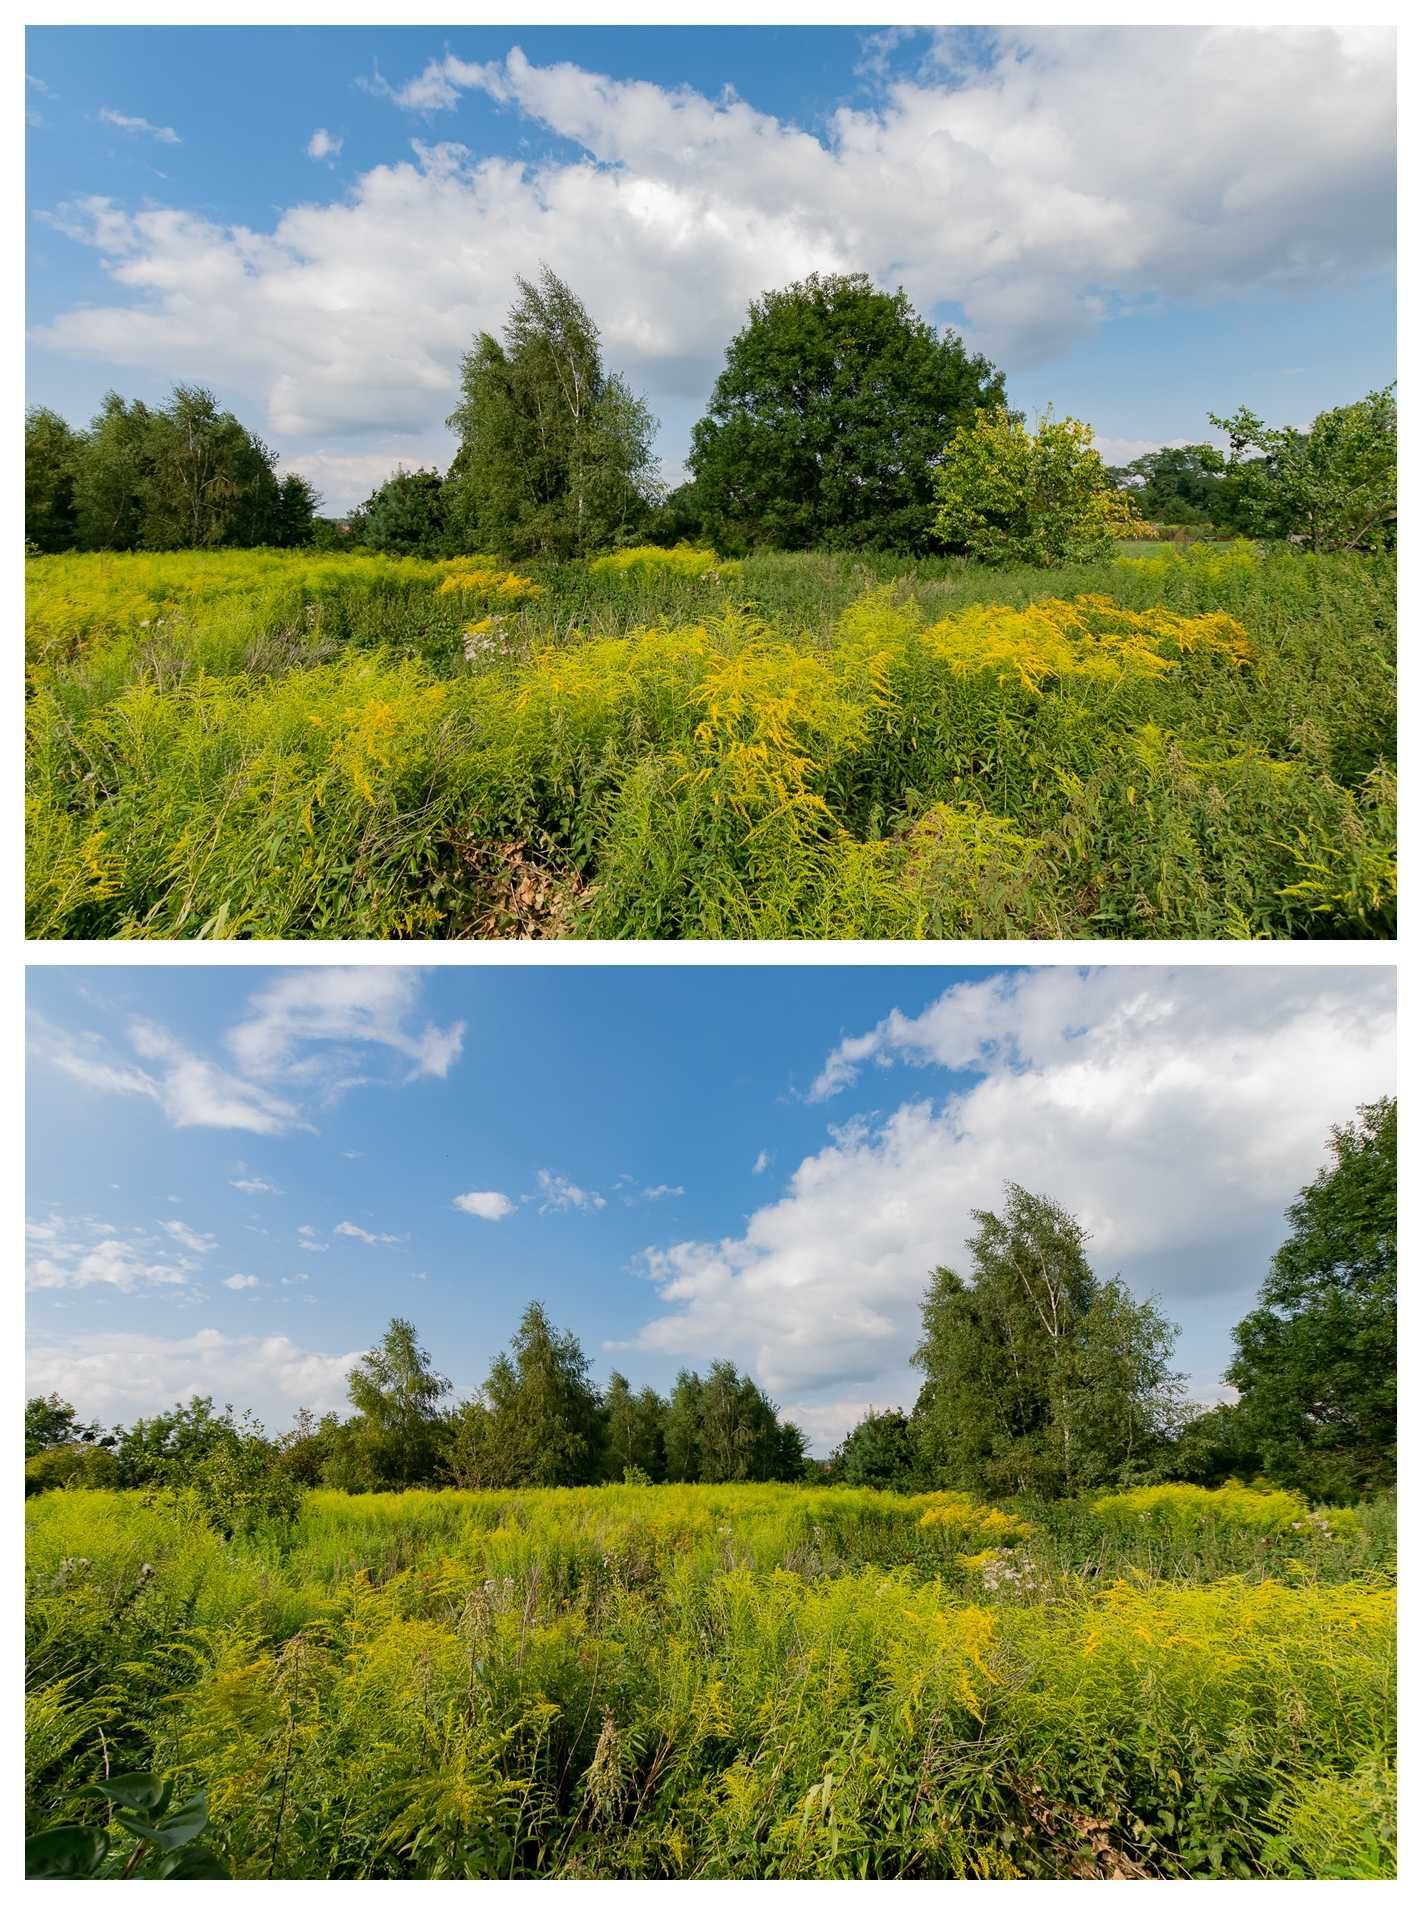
pixel 1193 743
pixel 740 1681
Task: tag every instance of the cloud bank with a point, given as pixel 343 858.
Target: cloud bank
pixel 1175 1112
pixel 1009 184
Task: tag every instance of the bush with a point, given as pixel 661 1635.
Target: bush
pixel 1007 495
pixel 70 1468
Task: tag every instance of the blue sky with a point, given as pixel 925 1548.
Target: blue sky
pixel 1233 245
pixel 237 1175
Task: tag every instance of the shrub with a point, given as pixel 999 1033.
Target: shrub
pixel 1006 494
pixel 70 1468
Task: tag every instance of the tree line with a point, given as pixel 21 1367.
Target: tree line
pixel 840 420
pixel 182 475
pixel 1039 1379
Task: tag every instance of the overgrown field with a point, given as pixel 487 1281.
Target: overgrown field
pixel 740 1681
pixel 1179 743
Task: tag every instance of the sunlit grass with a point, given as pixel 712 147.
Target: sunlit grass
pixel 738 1681
pixel 1194 743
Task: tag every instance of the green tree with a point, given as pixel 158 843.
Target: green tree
pixel 51 1423
pixel 396 1437
pixel 112 483
pixel 1315 1362
pixel 555 453
pixel 1180 483
pixel 296 509
pixel 308 1446
pixel 1331 487
pixel 405 516
pixel 537 1423
pixel 1039 1378
pixel 1207 1446
pixel 208 482
pixel 634 1430
pixel 1039 498
pixel 878 1452
pixel 164 1450
pixel 682 1434
pixel 824 426
pixel 53 455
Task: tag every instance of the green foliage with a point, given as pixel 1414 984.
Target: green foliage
pixel 140 1806
pixel 1331 487
pixel 879 1452
pixel 397 1436
pixel 405 516
pixel 753 1681
pixel 1316 1362
pixel 51 1422
pixel 1009 495
pixel 1038 1378
pixel 1179 483
pixel 53 452
pixel 537 1421
pixel 73 1466
pixel 824 426
pixel 634 1432
pixel 555 453
pixel 162 1451
pixel 1198 744
pixel 184 475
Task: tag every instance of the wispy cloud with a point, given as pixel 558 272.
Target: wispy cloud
pixel 560 1193
pixel 347 1229
pixel 75 1253
pixel 127 122
pixel 307 1039
pixel 190 1239
pixel 240 1282
pixel 190 1090
pixel 323 145
pixel 254 1187
pixel 337 1010
pixel 124 1374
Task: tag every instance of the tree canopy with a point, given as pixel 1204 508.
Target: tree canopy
pixel 1333 486
pixel 826 423
pixel 1315 1362
pixel 1039 1378
pixel 184 475
pixel 1042 497
pixel 555 453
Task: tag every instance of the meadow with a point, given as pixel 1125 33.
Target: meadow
pixel 1182 742
pixel 750 1680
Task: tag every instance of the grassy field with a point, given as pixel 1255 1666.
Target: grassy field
pixel 1191 742
pixel 741 1681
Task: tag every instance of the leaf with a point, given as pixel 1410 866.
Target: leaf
pixel 64 1852
pixel 141 1792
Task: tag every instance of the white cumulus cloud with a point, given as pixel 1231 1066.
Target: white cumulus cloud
pixel 1017 188
pixel 120 1375
pixel 323 145
pixel 1176 1112
pixel 492 1206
